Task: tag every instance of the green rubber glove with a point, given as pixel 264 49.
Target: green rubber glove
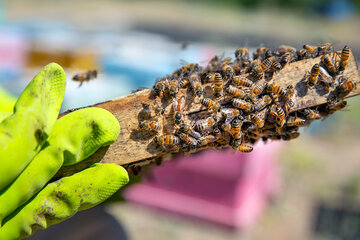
pixel 33 147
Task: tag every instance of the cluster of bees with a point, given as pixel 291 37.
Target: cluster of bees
pixel 237 101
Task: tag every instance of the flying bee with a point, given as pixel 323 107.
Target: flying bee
pixel 272 116
pixel 150 126
pixel 173 87
pixel 242 81
pixel 236 92
pixel 271 87
pixel 257 121
pixel 242 54
pixel 210 104
pixel 345 54
pixel 189 130
pixel 184 83
pixel 218 85
pixel 230 112
pixel 262 102
pixel 160 86
pixel 280 116
pixel 325 77
pixel 256 90
pixel 244 148
pixel 178 107
pixel 333 107
pixel 286 59
pixel 325 48
pixel 241 104
pixel 227 71
pixel 151 110
pixel 167 140
pixel 189 141
pixel 284 49
pixel 313 76
pixel 236 129
pixel 276 66
pixel 295 121
pixel 85 76
pixel 310 114
pixel 196 84
pixel 313 50
pixel 204 124
pixel 327 62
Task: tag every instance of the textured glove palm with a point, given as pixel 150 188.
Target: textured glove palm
pixel 34 145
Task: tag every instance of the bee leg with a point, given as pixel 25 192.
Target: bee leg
pixel 81 82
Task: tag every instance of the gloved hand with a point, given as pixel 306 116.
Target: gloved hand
pixel 34 145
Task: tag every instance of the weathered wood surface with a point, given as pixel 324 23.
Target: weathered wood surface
pixel 136 147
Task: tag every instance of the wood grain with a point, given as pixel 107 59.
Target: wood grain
pixel 136 147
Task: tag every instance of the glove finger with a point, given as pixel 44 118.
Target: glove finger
pixel 84 131
pixel 62 199
pixel 35 112
pixel 74 137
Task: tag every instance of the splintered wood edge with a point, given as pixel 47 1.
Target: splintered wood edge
pixel 133 147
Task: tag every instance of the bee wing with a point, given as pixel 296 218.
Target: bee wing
pixel 324 76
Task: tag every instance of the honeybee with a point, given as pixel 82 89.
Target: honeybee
pixel 346 85
pixel 85 76
pixel 167 140
pixel 280 116
pixel 241 104
pixel 242 54
pixel 242 81
pixel 290 136
pixel 271 87
pixel 291 98
pixel 152 109
pixel 284 49
pixel 173 87
pixel 256 90
pixel 236 129
pixel 210 104
pixel 325 78
pixel 236 92
pixel 313 76
pixel 204 124
pixel 327 62
pixel 184 83
pixel 160 86
pixel 189 130
pixel 150 126
pixel 211 138
pixel 257 72
pixel 230 112
pixel 196 84
pixel 244 148
pixel 310 114
pixel 227 71
pixel 257 121
pixel 267 63
pixel 210 78
pixel 313 50
pixel 178 107
pixel 262 102
pixel 333 107
pixel 345 54
pixel 303 54
pixel 260 53
pixel 276 66
pixel 286 59
pixel 272 116
pixel 325 48
pixel 295 121
pixel 189 141
pixel 218 85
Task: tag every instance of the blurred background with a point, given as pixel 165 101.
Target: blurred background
pixel 308 188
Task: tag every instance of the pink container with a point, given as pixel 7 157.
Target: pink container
pixel 224 187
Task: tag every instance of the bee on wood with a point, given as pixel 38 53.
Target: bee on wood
pixel 325 77
pixel 189 141
pixel 150 126
pixel 257 121
pixel 173 87
pixel 276 66
pixel 260 53
pixel 241 104
pixel 335 106
pixel 210 78
pixel 227 71
pixel 218 85
pixel 152 110
pixel 178 107
pixel 310 114
pixel 286 59
pixel 215 136
pixel 329 65
pixel 236 129
pixel 267 63
pixel 242 54
pixel 303 54
pixel 230 112
pixel 313 50
pixel 284 49
pixel 204 124
pixel 184 83
pixel 160 86
pixel 325 48
pixel 272 115
pixel 236 92
pixel 256 90
pixel 262 102
pixel 271 87
pixel 280 116
pixel 167 141
pixel 290 98
pixel 210 104
pixel 346 86
pixel 189 130
pixel 196 84
pixel 295 121
pixel 313 76
pixel 85 76
pixel 244 148
pixel 345 54
pixel 242 81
